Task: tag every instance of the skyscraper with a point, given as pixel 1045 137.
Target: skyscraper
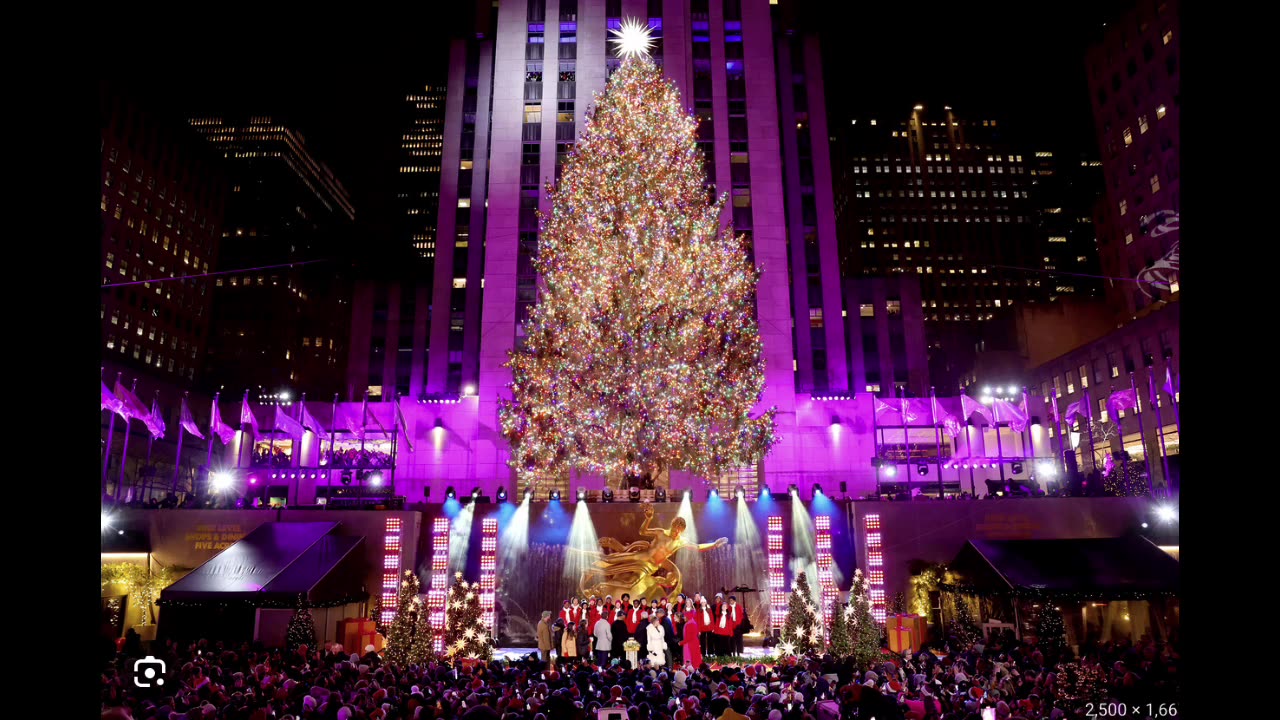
pixel 418 189
pixel 281 323
pixel 519 90
pixel 1065 190
pixel 163 198
pixel 946 198
pixel 1134 84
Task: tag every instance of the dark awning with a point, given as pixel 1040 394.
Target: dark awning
pixel 275 563
pixel 1129 566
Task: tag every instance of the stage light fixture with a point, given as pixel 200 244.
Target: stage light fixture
pixel 475 494
pixel 1047 470
pixel 220 480
pixel 450 493
pixel 634 493
pixel 844 487
pixel 253 479
pixel 528 494
pixel 106 522
pixel 712 494
pixel 582 494
pixel 555 496
pixel 890 470
pixel 502 494
pixel 817 490
pixel 922 469
pixel 740 494
pixel 1166 513
pixel 426 491
pixel 375 479
pixel 1016 468
pixel 660 495
pixel 346 478
pixel 606 495
pixel 764 491
pixel 793 489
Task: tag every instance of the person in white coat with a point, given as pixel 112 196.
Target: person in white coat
pixel 657 642
pixel 604 640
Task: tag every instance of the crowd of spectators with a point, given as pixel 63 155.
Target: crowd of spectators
pixel 1001 678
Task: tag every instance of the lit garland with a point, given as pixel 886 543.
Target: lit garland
pixel 1058 595
pixel 142 585
pixel 642 353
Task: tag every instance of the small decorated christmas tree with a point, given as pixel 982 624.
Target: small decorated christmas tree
pixel 1051 634
pixel 465 635
pixel 840 641
pixel 964 627
pixel 302 629
pixel 802 630
pixel 404 627
pixel 864 631
pixel 375 614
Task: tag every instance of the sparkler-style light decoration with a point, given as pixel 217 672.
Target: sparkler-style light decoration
pixel 391 570
pixel 488 569
pixel 826 582
pixel 633 39
pixel 439 588
pixel 875 564
pixel 777 591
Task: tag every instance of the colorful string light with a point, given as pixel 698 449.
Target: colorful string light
pixel 777 589
pixel 488 569
pixel 643 352
pixel 439 588
pixel 391 570
pixel 872 540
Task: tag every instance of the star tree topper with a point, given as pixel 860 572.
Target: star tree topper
pixel 633 39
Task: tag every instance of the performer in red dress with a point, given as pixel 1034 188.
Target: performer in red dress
pixel 567 614
pixel 692 651
pixel 724 624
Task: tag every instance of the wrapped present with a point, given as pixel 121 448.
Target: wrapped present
pixel 918 625
pixel 900 639
pixel 355 633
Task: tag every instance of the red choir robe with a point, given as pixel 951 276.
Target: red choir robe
pixel 633 617
pixel 727 619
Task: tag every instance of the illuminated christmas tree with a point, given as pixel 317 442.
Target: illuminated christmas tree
pixel 1051 633
pixel 375 614
pixel 802 629
pixel 302 629
pixel 964 627
pixel 465 636
pixel 840 642
pixel 642 353
pixel 406 625
pixel 864 631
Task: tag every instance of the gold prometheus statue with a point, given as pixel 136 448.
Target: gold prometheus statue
pixel 644 568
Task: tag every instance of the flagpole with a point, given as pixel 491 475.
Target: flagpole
pixel 151 437
pixel 937 434
pixel 1057 431
pixel 1093 454
pixel 271 443
pixel 240 447
pixel 395 437
pixel 906 439
pixel 995 414
pixel 177 463
pixel 1155 398
pixel 1168 371
pixel 111 431
pixel 213 432
pixel 1025 437
pixel 333 453
pixel 1142 433
pixel 875 444
pixel 124 455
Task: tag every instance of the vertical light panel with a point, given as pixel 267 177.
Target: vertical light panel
pixel 871 539
pixel 777 595
pixel 391 570
pixel 822 526
pixel 436 593
pixel 488 569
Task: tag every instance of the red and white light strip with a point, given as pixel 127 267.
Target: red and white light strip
pixel 391 570
pixel 488 569
pixel 777 592
pixel 439 587
pixel 872 539
pixel 822 524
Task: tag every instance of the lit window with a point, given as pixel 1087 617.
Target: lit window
pixel 1124 207
pixel 1155 184
pixel 533 113
pixel 464 202
pixel 467 164
pixel 1142 124
pixel 867 310
pixel 1128 137
pixel 1166 38
pixel 1128 238
pixel 459 283
pixel 1159 115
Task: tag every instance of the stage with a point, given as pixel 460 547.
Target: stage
pixel 519 653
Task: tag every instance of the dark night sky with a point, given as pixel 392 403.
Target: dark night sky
pixel 341 80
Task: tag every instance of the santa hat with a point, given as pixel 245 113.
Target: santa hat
pixel 895 686
pixel 975 692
